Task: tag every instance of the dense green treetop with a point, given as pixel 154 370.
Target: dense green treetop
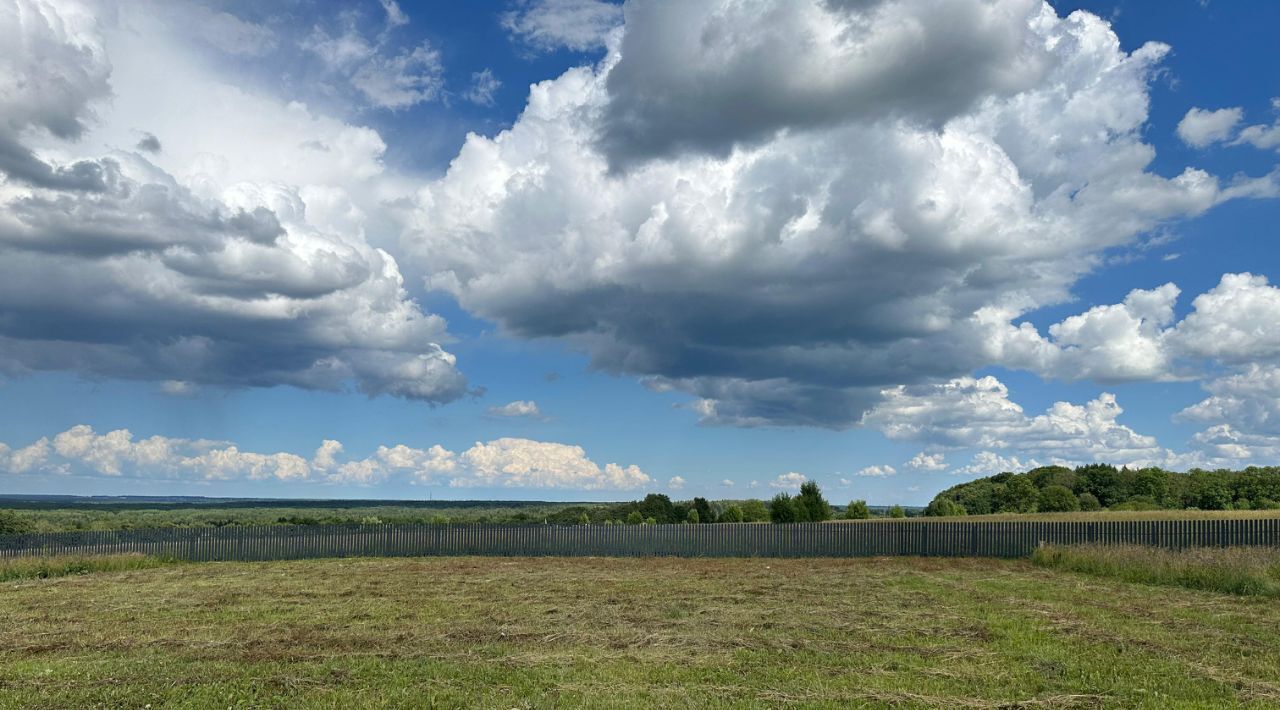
pixel 1102 486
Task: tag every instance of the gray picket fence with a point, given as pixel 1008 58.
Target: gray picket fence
pixel 858 539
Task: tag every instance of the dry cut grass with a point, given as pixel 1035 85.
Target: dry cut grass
pixel 1234 570
pixel 657 632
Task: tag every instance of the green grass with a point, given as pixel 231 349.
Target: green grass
pixel 16 568
pixel 1253 571
pixel 653 632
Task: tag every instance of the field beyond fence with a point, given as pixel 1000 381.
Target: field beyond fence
pixel 881 538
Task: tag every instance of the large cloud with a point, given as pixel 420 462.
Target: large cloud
pixel 977 413
pixel 1138 339
pixel 235 256
pixel 502 463
pixel 704 75
pixel 1228 338
pixel 855 239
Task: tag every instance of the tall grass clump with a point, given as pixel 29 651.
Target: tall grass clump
pixel 1247 571
pixel 18 568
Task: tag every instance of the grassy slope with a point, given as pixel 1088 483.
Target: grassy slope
pixel 657 632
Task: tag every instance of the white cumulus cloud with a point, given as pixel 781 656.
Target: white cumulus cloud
pixel 635 212
pixel 787 480
pixel 579 25
pixel 501 463
pixel 927 462
pixel 518 408
pixel 877 471
pixel 1201 127
pixel 236 256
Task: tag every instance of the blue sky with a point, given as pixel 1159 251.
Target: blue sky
pixel 711 267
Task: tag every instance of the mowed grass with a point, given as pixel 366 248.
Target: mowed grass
pixel 654 632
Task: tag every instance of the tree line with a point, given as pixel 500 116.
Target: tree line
pixel 809 505
pixel 1051 489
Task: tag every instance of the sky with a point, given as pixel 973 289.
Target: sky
pixel 578 250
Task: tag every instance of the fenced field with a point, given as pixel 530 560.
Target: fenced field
pixel 655 632
pixel 869 539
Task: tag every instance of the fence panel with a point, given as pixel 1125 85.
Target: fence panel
pixel 898 537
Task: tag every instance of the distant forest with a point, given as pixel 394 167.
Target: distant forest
pixel 1052 489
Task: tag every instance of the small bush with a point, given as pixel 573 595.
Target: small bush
pixel 1089 502
pixel 897 511
pixel 693 517
pixel 944 508
pixel 12 524
pixel 754 511
pixel 857 510
pixel 1251 571
pixel 1138 503
pixel 634 518
pixel 1057 499
pixel 732 514
pixel 782 509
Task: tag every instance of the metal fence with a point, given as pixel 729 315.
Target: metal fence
pixel 860 539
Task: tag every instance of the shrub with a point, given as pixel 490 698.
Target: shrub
pixel 693 516
pixel 857 510
pixel 754 511
pixel 634 518
pixel 732 514
pixel 439 520
pixel 1138 503
pixel 1089 502
pixel 584 519
pixel 650 521
pixel 12 524
pixel 897 511
pixel 781 509
pixel 944 507
pixel 1057 499
pixel 1018 496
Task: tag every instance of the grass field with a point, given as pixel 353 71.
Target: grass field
pixel 1234 570
pixel 38 567
pixel 658 632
